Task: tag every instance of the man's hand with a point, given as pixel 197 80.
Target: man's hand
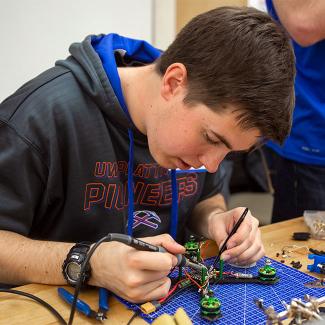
pixel 135 275
pixel 245 246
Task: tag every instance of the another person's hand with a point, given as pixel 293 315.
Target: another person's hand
pixel 245 246
pixel 135 275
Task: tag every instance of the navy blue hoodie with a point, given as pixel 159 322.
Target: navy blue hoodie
pixel 64 154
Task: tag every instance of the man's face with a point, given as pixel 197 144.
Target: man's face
pixel 182 136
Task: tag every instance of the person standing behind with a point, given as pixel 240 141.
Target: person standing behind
pixel 299 165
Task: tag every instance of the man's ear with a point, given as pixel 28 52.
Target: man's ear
pixel 174 81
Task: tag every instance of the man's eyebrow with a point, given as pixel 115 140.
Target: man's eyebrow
pixel 223 140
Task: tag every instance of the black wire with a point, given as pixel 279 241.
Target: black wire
pixel 82 274
pixel 39 300
pixel 109 237
pixel 136 314
pixel 122 238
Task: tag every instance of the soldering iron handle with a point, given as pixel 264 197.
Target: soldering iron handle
pixel 181 260
pixel 134 242
pixel 144 246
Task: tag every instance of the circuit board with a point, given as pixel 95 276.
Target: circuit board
pixel 237 300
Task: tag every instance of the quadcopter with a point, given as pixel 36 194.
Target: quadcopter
pixel 203 276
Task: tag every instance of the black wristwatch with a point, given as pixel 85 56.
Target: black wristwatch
pixel 71 267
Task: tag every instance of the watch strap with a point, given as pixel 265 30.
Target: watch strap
pixel 77 254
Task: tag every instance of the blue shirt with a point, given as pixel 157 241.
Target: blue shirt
pixel 306 143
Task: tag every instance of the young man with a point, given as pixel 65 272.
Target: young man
pixel 90 147
pixel 299 165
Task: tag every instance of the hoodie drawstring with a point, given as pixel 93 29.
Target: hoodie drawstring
pixel 174 212
pixel 130 185
pixel 106 47
pixel 174 216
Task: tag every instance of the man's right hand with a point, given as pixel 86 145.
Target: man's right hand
pixel 134 275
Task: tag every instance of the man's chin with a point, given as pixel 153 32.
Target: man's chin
pixel 163 163
pixel 173 163
pixel 167 165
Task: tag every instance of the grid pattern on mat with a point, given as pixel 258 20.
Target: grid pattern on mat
pixel 237 306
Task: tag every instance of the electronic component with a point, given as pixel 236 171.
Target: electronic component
pixel 301 235
pixel 149 307
pixel 299 311
pixel 316 252
pixel 296 265
pixel 319 283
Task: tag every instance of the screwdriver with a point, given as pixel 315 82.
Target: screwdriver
pixel 233 231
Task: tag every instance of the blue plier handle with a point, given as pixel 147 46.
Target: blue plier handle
pixel 103 302
pixel 84 308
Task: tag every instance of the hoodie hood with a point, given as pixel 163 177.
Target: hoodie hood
pixel 94 63
pixel 115 50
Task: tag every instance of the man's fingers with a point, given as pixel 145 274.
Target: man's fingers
pixel 159 292
pixel 166 241
pixel 152 261
pixel 159 239
pixel 150 291
pixel 252 254
pixel 248 228
pixel 247 248
pixel 238 245
pixel 142 278
pixel 249 258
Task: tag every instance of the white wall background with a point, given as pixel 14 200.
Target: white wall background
pixel 164 23
pixel 259 4
pixel 35 33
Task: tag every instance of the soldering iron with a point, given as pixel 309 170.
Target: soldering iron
pixel 144 246
pixel 130 241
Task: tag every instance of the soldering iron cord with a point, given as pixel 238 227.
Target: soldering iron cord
pixel 39 300
pixel 122 238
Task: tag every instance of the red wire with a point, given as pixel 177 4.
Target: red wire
pixel 193 280
pixel 170 292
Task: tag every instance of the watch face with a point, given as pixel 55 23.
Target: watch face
pixel 73 270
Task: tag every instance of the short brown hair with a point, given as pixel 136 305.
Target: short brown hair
pixel 236 55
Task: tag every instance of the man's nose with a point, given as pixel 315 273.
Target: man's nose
pixel 212 167
pixel 212 161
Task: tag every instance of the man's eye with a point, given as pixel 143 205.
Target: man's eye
pixel 212 141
